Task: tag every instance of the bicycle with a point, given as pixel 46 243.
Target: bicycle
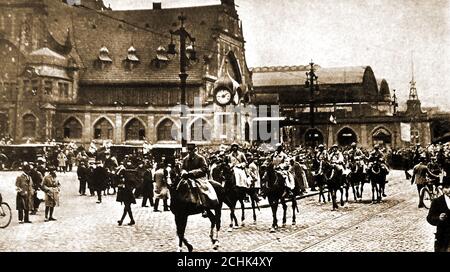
pixel 430 192
pixel 5 214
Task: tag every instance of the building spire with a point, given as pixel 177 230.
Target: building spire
pixel 412 89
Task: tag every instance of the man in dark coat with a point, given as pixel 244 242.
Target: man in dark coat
pixel 195 169
pixel 24 199
pixel 99 180
pixel 439 216
pixel 36 178
pixel 147 186
pixel 83 176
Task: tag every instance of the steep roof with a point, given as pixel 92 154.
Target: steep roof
pixel 91 30
pixel 296 75
pixel 336 85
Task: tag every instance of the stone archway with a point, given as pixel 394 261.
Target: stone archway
pixel 313 137
pixel 346 136
pixel 381 136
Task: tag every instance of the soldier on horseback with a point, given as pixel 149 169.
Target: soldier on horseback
pixel 195 170
pixel 337 158
pixel 376 156
pixel 356 157
pixel 280 161
pixel 238 162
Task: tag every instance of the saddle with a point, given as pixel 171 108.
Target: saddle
pixel 199 193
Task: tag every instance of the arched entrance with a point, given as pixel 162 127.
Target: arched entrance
pixel 346 137
pixel 381 136
pixel 3 125
pixel 134 131
pixel 313 137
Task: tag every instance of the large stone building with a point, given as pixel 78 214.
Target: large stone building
pixel 85 72
pixel 350 105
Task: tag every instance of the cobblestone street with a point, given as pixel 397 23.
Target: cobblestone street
pixel 394 225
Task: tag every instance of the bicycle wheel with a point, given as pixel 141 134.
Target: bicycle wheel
pixel 426 197
pixel 5 215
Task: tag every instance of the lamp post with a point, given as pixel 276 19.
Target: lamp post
pixel 184 36
pixel 311 82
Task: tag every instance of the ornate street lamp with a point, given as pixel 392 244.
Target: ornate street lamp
pixel 186 53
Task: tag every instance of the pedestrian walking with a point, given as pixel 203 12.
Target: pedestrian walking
pixel 439 216
pixel 24 198
pixel 419 177
pixel 147 186
pixel 36 178
pixel 62 161
pixel 161 190
pixel 99 180
pixel 51 187
pixel 125 195
pixel 83 176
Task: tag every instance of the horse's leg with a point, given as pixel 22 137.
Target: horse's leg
pixel 243 212
pixel 374 187
pixel 274 206
pixel 218 216
pixel 333 198
pixel 294 208
pixel 214 223
pixel 180 232
pixel 254 211
pixel 283 203
pixel 362 190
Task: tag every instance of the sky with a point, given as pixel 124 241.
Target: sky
pixel 383 34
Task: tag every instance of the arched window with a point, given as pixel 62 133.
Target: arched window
pixel 346 137
pixel 381 136
pixel 29 125
pixel 200 131
pixel 72 129
pixel 313 137
pixel 103 130
pixel 134 130
pixel 165 131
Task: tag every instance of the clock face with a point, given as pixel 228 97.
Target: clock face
pixel 223 97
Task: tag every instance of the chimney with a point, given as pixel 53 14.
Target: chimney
pixel 157 5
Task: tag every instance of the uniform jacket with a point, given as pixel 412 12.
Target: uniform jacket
pixel 51 188
pixel 439 206
pixel 196 166
pixel 24 200
pixel 420 174
pixel 99 178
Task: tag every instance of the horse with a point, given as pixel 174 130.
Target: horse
pixel 354 179
pixel 334 180
pixel 377 177
pixel 319 179
pixel 232 194
pixel 182 208
pixel 273 187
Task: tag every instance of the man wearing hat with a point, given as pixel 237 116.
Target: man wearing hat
pixel 280 161
pixel 195 169
pixel 99 180
pixel 238 162
pixel 83 176
pixel 356 156
pixel 336 157
pixel 321 153
pixel 420 173
pixel 439 216
pixel 24 198
pixel 51 187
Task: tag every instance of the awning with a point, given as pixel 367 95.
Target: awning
pixel 268 119
pixel 166 146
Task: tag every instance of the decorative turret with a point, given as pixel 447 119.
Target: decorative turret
pixel 413 105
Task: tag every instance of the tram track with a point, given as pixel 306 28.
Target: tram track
pixel 338 231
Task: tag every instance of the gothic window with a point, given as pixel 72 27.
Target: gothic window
pixel 165 130
pixel 34 86
pixel 48 87
pixel 134 130
pixel 72 129
pixel 415 136
pixel 247 132
pixel 29 125
pixel 103 130
pixel 200 131
pixel 63 89
pixel 26 87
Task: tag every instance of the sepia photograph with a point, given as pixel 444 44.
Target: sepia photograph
pixel 224 126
